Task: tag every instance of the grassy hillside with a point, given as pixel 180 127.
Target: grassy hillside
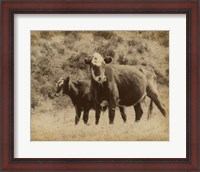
pixel 55 54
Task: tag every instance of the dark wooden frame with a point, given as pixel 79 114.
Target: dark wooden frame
pixel 11 7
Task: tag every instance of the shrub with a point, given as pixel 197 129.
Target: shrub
pixel 161 79
pixel 45 89
pixel 75 61
pixel 45 35
pixel 132 43
pixel 64 65
pixel 133 61
pixel 35 101
pixel 164 38
pixel 44 66
pixel 61 51
pixel 164 42
pixel 117 39
pixel 106 50
pixel 75 35
pixel 130 52
pixel 62 102
pixel 122 60
pixel 141 49
pixel 104 34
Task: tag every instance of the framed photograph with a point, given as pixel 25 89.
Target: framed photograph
pixel 100 85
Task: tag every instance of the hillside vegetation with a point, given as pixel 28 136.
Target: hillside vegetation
pixel 61 53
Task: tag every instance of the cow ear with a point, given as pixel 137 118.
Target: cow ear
pixel 108 59
pixel 87 61
pixel 66 79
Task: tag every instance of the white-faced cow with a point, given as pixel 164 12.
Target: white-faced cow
pixel 80 93
pixel 122 85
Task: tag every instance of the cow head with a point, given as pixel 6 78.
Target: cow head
pixel 62 84
pixel 97 66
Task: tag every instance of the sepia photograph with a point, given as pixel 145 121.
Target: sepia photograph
pixel 100 85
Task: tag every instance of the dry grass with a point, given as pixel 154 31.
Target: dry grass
pixel 58 125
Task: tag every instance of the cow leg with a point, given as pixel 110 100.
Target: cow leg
pixel 111 114
pixel 150 110
pixel 113 99
pixel 85 116
pixel 138 112
pixel 97 115
pixel 122 113
pixel 152 92
pixel 78 114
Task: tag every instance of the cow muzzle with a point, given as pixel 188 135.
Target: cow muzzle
pixel 100 79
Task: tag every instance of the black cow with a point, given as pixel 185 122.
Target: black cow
pixel 122 85
pixel 80 93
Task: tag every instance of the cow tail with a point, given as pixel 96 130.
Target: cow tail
pixel 150 109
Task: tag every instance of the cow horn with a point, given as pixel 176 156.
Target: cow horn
pixel 67 78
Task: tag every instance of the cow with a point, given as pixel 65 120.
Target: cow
pixel 80 94
pixel 122 85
